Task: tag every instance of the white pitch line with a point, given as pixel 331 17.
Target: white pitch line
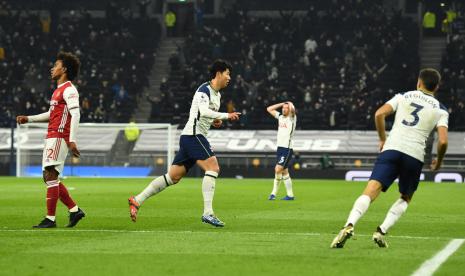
pixel 431 265
pixel 207 232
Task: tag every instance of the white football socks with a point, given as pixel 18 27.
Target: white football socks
pixel 52 218
pixel 288 182
pixel 156 186
pixel 208 190
pixel 276 182
pixel 360 207
pixel 74 209
pixel 397 209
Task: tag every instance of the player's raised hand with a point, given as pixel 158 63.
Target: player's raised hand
pixel 435 165
pixel 21 119
pixel 73 148
pixel 217 123
pixel 233 116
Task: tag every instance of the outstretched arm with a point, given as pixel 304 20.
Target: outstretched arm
pixel 43 117
pixel 272 109
pixel 205 111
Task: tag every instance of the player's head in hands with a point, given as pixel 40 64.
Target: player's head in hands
pixel 288 109
pixel 429 80
pixel 220 73
pixel 66 67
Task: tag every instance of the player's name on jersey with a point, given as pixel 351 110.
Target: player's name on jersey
pixel 425 98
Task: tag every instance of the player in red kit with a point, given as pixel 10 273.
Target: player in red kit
pixel 63 122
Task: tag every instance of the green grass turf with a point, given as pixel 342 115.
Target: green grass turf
pixel 260 237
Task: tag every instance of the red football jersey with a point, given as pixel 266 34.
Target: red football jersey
pixel 64 98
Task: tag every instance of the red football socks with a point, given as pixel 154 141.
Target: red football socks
pixel 65 198
pixel 53 191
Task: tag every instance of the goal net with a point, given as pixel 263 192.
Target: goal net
pixel 105 150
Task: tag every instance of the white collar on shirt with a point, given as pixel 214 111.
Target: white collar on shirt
pixel 62 84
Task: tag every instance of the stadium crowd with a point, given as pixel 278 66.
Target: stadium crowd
pixel 338 61
pixel 453 89
pixel 115 52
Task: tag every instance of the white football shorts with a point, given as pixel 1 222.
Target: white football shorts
pixel 55 152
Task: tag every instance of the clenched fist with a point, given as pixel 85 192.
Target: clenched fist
pixel 217 123
pixel 21 119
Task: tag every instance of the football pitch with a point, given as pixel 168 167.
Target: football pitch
pixel 261 237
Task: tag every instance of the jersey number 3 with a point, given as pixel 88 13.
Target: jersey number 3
pixel 414 114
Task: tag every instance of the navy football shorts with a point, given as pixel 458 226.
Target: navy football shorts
pixel 283 156
pixel 392 164
pixel 191 149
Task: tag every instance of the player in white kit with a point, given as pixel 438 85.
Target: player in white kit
pixel 194 147
pixel 286 128
pixel 402 153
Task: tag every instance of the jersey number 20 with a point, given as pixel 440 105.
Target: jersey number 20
pixel 414 114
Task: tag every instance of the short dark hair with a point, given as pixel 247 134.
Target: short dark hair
pixel 71 63
pixel 218 65
pixel 430 78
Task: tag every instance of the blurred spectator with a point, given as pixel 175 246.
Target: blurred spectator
pixel 230 106
pixel 143 4
pixel 131 133
pixel 170 22
pixel 156 107
pixel 310 46
pixel 429 22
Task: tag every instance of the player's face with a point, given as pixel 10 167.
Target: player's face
pixel 225 78
pixel 57 70
pixel 286 109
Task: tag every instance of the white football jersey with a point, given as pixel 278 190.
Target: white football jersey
pixel 286 129
pixel 204 110
pixel 417 114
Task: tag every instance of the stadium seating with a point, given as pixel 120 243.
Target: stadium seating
pixel 336 60
pixel 361 59
pixel 452 93
pixel 116 53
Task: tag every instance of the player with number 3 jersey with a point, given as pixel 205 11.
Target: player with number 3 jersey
pixel 417 113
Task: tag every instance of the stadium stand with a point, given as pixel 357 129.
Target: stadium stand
pixel 336 60
pixel 335 63
pixel 453 88
pixel 116 53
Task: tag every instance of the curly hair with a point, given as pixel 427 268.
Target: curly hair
pixel 71 63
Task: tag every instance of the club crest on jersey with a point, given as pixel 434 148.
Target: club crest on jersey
pixel 283 125
pixel 53 102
